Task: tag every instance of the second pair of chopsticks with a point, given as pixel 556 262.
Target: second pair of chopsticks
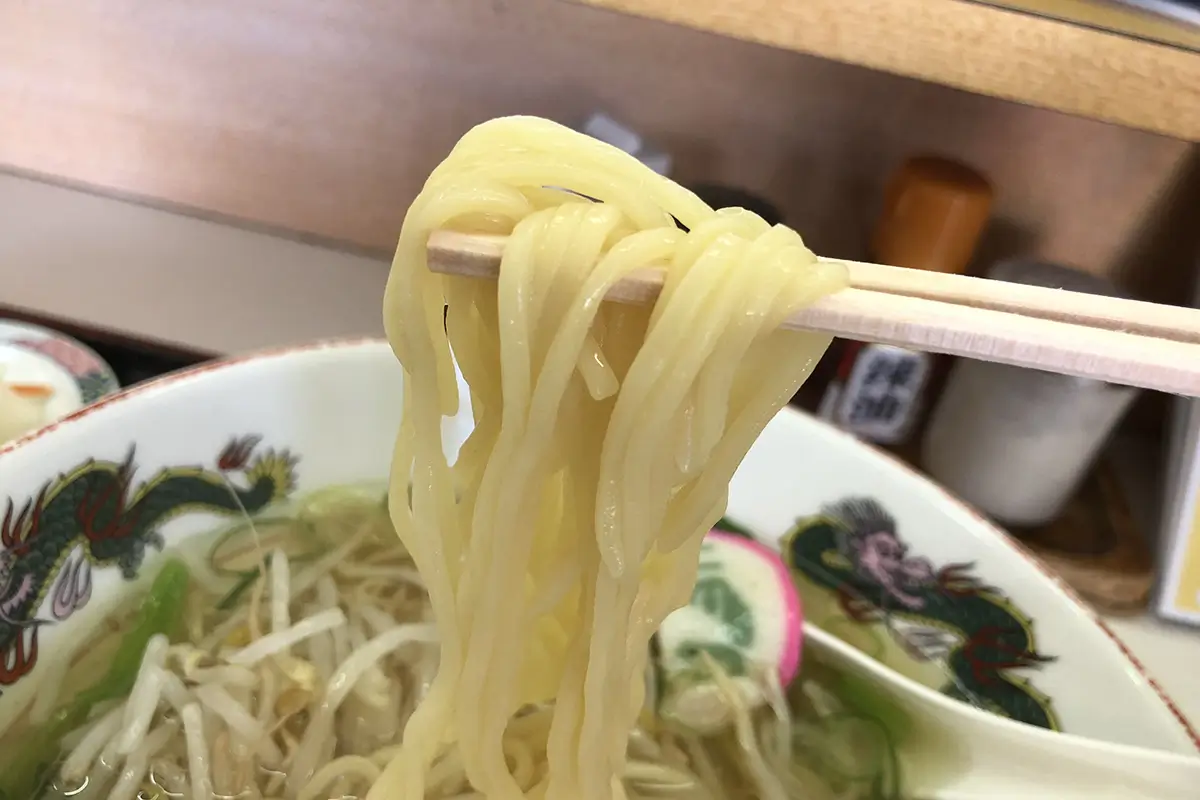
pixel 1104 338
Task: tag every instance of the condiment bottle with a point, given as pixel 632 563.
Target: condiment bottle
pixel 1016 443
pixel 934 212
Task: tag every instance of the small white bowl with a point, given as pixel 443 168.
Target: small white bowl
pixel 883 557
pixel 76 373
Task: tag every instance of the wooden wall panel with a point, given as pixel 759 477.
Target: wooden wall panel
pixel 322 117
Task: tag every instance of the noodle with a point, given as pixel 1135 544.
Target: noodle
pixel 197 749
pixel 131 776
pixel 278 642
pixel 80 759
pixel 605 438
pixel 143 699
pixel 281 593
pixel 499 647
pixel 239 720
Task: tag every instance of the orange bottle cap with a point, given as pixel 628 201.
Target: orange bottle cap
pixel 934 212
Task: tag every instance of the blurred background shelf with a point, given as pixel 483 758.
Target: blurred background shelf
pixel 322 120
pixel 1037 58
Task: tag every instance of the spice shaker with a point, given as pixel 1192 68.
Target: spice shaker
pixel 1015 442
pixel 934 212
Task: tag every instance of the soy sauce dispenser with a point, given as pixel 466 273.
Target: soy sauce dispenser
pixel 934 212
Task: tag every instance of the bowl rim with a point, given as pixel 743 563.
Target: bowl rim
pixel 1028 556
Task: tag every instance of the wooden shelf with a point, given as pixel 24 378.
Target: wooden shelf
pixel 325 118
pixel 980 48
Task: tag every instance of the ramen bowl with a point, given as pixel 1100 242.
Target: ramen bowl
pixel 882 557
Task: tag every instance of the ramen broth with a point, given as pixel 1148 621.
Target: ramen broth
pixel 281 658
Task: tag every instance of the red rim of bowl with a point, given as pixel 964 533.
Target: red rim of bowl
pixel 331 344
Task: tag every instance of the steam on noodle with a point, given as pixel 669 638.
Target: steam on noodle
pixel 570 524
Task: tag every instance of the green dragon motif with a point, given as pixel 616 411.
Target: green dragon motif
pixel 96 517
pixel 945 615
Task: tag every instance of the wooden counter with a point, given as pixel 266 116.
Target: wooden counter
pixel 980 48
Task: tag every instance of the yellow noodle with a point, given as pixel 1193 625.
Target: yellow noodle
pixel 605 438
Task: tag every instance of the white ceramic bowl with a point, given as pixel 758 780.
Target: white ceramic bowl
pixel 884 558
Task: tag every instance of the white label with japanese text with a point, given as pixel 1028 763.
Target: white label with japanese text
pixel 883 393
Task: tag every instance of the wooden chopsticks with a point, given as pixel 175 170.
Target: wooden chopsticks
pixel 1104 338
